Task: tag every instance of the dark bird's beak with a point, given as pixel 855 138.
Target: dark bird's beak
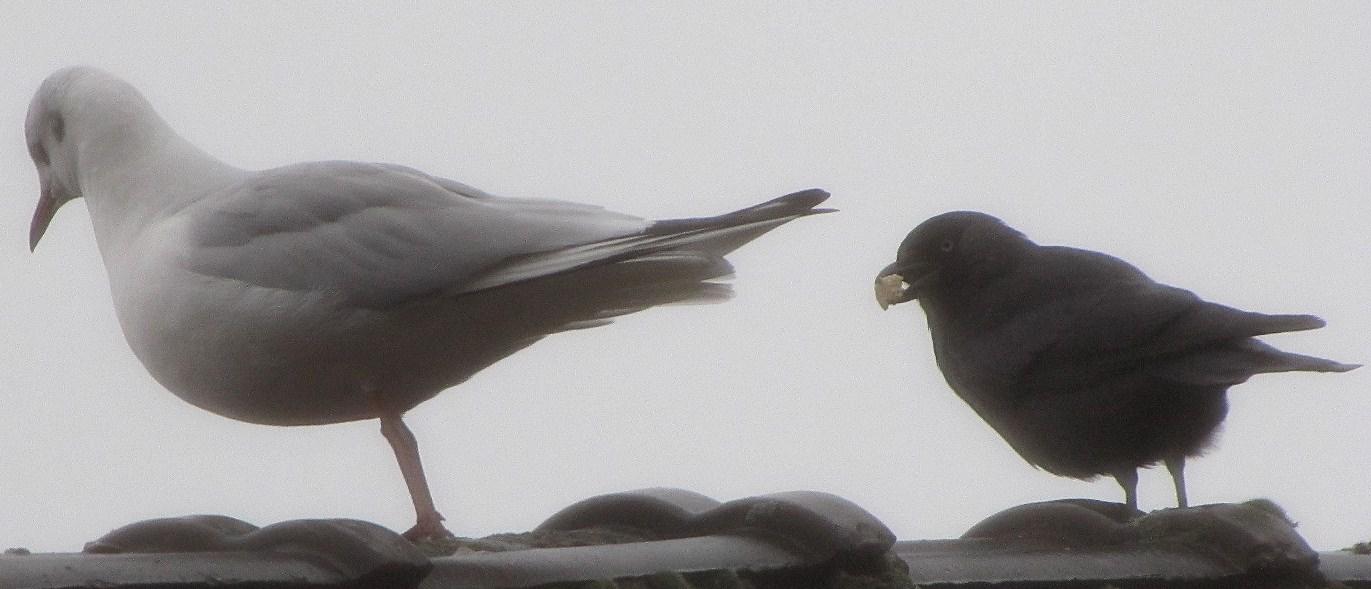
pixel 42 214
pixel 897 282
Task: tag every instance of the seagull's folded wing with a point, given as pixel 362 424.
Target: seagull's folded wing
pixel 379 235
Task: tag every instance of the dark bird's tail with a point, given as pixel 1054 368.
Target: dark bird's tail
pixel 1279 361
pixel 1265 358
pixel 1263 324
pixel 1235 362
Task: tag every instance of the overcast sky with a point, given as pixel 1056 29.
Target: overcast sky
pixel 1221 147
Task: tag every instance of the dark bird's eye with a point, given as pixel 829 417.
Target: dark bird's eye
pixel 946 245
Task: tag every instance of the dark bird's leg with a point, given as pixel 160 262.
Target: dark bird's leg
pixel 428 522
pixel 1176 466
pixel 1128 479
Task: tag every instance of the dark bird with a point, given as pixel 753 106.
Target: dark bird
pixel 1080 361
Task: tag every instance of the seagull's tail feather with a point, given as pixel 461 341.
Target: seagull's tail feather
pixel 515 316
pixel 595 295
pixel 666 278
pixel 678 261
pixel 706 236
pixel 782 208
pixel 724 233
pixel 578 287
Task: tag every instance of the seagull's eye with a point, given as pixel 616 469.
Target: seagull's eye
pixel 946 245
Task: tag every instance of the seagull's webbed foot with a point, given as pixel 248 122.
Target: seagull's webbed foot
pixel 428 528
pixel 428 522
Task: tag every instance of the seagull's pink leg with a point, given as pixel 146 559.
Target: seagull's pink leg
pixel 429 523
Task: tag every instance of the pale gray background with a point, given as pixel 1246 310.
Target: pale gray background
pixel 1223 147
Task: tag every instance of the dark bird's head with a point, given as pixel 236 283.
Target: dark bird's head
pixel 953 249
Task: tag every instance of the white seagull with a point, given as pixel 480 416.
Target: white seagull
pixel 334 291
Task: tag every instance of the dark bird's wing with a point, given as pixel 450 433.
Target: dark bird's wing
pixel 1108 319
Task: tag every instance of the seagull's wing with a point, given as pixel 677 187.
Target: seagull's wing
pixel 380 235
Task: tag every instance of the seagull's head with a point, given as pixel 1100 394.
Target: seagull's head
pixel 52 147
pixel 948 250
pixel 82 116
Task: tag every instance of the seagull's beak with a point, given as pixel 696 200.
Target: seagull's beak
pixel 898 283
pixel 42 214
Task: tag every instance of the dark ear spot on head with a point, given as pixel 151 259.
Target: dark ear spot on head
pixel 39 155
pixel 59 127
